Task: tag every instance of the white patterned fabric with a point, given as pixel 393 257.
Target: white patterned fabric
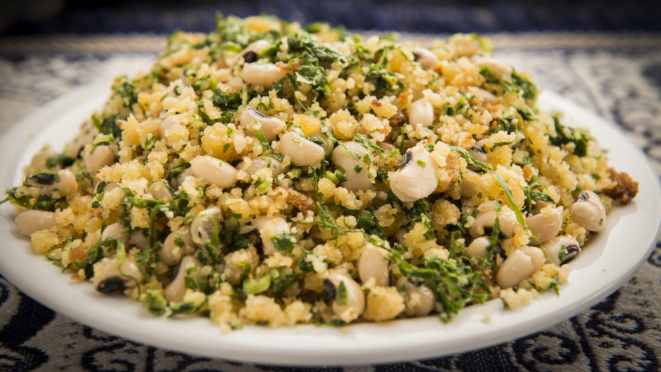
pixel 618 78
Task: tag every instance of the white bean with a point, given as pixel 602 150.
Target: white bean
pixel 32 221
pixel 421 112
pixel 341 157
pixel 214 171
pixel 416 177
pixel 373 264
pixel 262 74
pixel 301 151
pixel 271 126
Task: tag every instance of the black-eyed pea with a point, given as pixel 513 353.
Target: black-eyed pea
pixel 426 58
pixel 251 53
pixel 178 181
pixel 189 266
pixel 74 148
pixel 267 228
pixel 64 181
pixel 477 152
pixel 31 221
pixel 521 264
pixel 588 211
pixel 301 151
pixel 214 171
pixel 357 172
pixel 416 177
pixel 115 231
pixel 172 249
pixel 138 239
pixel 562 249
pixel 353 297
pixel 419 299
pixel 261 162
pixel 203 225
pixel 544 226
pixel 113 278
pixel 486 218
pixel 373 264
pixel 270 126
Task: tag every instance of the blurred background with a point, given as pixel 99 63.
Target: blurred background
pixel 38 17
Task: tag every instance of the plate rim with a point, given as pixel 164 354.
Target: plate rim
pixel 275 354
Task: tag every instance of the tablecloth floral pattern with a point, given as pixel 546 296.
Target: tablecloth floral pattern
pixel 618 79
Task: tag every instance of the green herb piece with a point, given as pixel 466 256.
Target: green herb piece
pixel 529 89
pixel 232 240
pixel 566 135
pixel 154 301
pixel 59 160
pixel 284 242
pixel 562 254
pixel 261 137
pixel 281 284
pixel 525 113
pixel 491 78
pixel 256 286
pixel 294 173
pixel 149 142
pixel 341 294
pixel 187 308
pixel 198 285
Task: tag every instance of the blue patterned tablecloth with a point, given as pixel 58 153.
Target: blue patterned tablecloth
pixel 617 76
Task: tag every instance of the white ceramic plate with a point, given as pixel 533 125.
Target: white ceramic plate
pixel 605 264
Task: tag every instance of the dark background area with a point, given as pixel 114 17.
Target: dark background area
pixel 35 17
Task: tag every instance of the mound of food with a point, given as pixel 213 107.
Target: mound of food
pixel 271 174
